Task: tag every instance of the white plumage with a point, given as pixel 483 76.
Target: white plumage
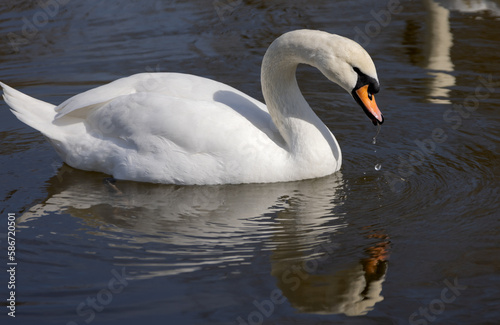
pixel 184 129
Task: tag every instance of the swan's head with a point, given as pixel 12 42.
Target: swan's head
pixel 363 92
pixel 340 59
pixel 346 63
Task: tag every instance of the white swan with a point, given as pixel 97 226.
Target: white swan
pixel 184 129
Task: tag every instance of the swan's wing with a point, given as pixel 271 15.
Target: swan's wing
pixel 159 138
pixel 170 84
pixel 169 128
pixel 195 126
pixel 80 105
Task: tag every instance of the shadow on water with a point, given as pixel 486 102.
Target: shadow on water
pixel 296 222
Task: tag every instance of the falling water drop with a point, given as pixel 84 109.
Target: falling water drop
pixel 374 139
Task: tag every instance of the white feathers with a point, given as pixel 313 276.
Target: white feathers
pixel 184 129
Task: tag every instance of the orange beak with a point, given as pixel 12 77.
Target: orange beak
pixel 369 105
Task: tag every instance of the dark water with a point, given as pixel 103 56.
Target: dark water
pixel 415 242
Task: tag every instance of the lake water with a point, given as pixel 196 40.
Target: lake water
pixel 406 233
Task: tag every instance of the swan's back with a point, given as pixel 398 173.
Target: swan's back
pixel 161 128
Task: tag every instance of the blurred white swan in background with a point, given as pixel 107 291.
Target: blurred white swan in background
pixel 184 129
pixel 468 6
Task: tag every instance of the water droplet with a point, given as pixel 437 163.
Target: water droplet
pixel 378 167
pixel 374 139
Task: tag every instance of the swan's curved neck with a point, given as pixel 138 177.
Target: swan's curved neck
pixel 300 127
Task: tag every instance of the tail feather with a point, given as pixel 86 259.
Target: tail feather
pixel 31 111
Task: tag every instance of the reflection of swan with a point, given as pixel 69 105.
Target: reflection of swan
pixel 182 229
pixel 219 218
pixel 438 41
pixel 350 290
pixel 183 129
pixel 347 287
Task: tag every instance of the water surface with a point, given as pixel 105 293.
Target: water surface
pixel 414 240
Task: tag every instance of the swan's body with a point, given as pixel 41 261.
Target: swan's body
pixel 184 129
